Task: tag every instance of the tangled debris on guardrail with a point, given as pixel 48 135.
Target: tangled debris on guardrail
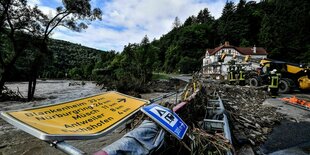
pixel 194 110
pixel 251 122
pixel 207 141
pixel 206 107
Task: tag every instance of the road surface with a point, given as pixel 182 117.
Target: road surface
pixel 292 135
pixel 183 77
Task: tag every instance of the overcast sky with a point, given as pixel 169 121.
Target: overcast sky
pixel 128 21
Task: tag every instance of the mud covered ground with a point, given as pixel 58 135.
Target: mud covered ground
pixel 14 141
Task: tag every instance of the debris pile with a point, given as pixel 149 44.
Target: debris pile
pixel 251 121
pixel 198 139
pixel 10 95
pixel 76 83
pixel 216 141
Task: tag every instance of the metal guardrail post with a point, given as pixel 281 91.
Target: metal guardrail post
pixel 220 110
pixel 66 148
pixel 226 125
pixel 163 96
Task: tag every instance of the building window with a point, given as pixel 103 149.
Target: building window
pixel 229 51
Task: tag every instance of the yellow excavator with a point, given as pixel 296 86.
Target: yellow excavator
pixel 292 75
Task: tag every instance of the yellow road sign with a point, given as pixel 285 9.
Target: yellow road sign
pixel 90 115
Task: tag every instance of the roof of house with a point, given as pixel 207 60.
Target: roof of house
pixel 242 50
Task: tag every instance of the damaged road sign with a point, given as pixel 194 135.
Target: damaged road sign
pixel 167 119
pixel 86 118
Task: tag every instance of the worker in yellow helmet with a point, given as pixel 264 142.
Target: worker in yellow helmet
pixel 274 83
pixel 241 76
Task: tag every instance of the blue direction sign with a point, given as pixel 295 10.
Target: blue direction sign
pixel 167 119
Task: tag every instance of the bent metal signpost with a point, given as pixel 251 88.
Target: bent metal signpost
pixel 85 118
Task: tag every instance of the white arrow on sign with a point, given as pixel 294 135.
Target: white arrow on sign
pixel 165 115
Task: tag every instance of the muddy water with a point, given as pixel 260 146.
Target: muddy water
pixel 53 91
pixel 14 141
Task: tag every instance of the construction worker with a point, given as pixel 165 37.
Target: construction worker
pixel 232 78
pixel 274 83
pixel 228 73
pixel 241 77
pixel 259 70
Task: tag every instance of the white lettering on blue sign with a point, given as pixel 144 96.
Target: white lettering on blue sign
pixel 165 115
pixel 167 119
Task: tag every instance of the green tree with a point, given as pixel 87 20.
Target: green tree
pixel 227 27
pixel 172 58
pixel 187 64
pixel 15 23
pixel 190 20
pixel 176 23
pixel 76 73
pixel 71 15
pixel 279 32
pixel 204 17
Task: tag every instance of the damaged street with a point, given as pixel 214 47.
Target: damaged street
pixel 258 124
pixel 264 125
pixel 138 77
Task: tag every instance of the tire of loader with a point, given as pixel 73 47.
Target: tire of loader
pixel 255 81
pixel 284 86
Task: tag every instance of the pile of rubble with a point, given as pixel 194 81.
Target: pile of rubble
pixel 77 83
pixel 199 139
pixel 251 121
pixel 10 95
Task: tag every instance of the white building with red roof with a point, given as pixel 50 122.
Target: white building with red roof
pixel 213 67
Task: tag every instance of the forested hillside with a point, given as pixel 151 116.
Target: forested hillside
pixel 75 61
pixel 67 60
pixel 282 27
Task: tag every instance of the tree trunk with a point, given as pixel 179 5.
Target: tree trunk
pixel 34 72
pixel 34 84
pixel 2 81
pixel 29 90
pixel 33 76
pixel 4 76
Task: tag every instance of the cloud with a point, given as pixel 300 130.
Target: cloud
pixel 33 2
pixel 129 21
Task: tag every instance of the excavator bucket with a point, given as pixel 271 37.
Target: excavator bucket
pixel 304 82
